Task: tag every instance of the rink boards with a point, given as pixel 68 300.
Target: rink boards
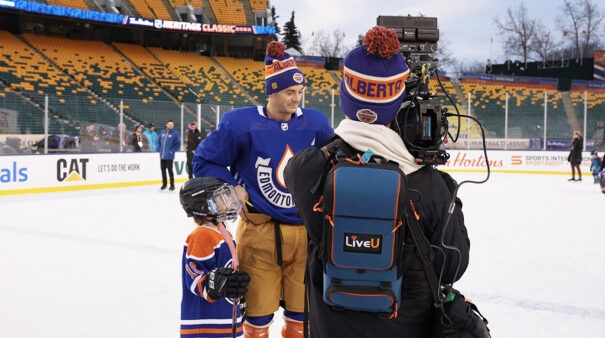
pixel 24 174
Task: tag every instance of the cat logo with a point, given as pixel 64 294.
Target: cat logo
pixel 72 172
pixel 363 243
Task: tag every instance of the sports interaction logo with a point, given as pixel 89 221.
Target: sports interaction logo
pixel 72 171
pixel 363 243
pixel 266 184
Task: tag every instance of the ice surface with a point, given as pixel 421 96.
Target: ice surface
pixel 106 263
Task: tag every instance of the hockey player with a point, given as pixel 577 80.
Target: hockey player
pixel 209 282
pixel 256 144
pixel 377 64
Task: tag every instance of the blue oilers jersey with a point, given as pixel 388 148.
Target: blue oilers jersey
pixel 256 149
pixel 202 316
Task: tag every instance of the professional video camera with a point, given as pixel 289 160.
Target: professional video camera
pixel 421 121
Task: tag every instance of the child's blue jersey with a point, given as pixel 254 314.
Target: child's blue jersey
pixel 201 316
pixel 596 164
pixel 257 149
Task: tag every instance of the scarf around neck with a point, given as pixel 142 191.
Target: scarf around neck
pixel 380 139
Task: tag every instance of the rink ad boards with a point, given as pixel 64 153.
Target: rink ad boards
pixel 24 174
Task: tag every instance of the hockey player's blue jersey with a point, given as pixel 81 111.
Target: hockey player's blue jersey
pixel 201 316
pixel 257 149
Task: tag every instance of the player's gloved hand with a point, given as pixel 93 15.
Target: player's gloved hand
pixel 226 282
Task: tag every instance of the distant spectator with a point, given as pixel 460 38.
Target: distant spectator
pixel 152 137
pixel 194 137
pixel 6 149
pixel 102 142
pixel 168 144
pixel 88 139
pixel 575 155
pixel 138 140
pixel 595 165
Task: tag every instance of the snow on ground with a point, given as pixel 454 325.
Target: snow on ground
pixel 106 263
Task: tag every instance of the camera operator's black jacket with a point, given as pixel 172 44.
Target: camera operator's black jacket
pixel 431 194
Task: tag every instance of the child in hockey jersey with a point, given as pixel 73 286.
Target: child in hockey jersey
pixel 209 282
pixel 595 166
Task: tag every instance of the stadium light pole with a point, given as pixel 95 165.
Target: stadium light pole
pixel 46 124
pixel 506 123
pixel 199 116
pixel 199 108
pixel 332 108
pixel 585 118
pixel 468 125
pixel 120 125
pixel 545 118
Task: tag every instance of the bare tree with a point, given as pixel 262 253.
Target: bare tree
pixel 573 20
pixel 583 19
pixel 594 18
pixel 444 53
pixel 543 44
pixel 329 45
pixel 472 66
pixel 519 29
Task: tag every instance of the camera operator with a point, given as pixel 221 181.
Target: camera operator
pixel 378 64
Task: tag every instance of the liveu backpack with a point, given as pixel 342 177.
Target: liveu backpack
pixel 363 206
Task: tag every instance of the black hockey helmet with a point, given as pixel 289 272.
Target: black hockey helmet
pixel 210 197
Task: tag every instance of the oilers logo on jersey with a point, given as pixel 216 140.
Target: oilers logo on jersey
pixel 266 182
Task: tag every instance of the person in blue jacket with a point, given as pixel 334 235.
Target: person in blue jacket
pixel 250 150
pixel 168 143
pixel 595 165
pixel 152 137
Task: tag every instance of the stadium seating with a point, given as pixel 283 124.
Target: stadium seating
pixel 229 12
pixel 258 5
pixel 184 3
pixel 151 9
pixel 248 73
pixel 97 66
pixel 525 108
pixel 595 108
pixel 30 119
pixel 155 70
pixel 68 3
pixel 200 73
pixel 27 72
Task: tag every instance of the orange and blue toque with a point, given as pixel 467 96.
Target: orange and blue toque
pixel 373 81
pixel 281 71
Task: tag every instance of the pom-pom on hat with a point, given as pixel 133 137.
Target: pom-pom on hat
pixel 373 82
pixel 281 71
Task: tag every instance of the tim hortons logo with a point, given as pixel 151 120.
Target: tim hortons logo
pixel 363 243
